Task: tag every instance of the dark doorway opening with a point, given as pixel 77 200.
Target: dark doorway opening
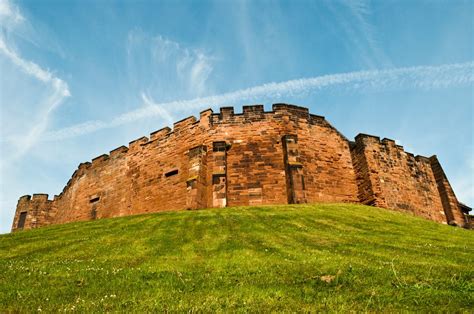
pixel 21 221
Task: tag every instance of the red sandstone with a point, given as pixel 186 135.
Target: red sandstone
pixel 284 156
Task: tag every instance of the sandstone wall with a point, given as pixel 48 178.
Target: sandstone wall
pixel 450 203
pixel 255 157
pixel 389 177
pixel 33 212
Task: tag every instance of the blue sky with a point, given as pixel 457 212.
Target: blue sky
pixel 80 78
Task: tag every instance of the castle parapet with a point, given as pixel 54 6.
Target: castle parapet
pixel 40 197
pixel 182 124
pixel 99 160
pixel 205 118
pixel 24 198
pixel 292 110
pixel 317 120
pixel 249 111
pixel 136 144
pixel 246 158
pixel 389 142
pixel 365 139
pixel 225 113
pixel 118 152
pixel 32 211
pixel 423 159
pixel 159 134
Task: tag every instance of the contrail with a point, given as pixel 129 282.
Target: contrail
pixel 60 93
pixel 418 77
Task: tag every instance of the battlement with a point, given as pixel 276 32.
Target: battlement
pixel 135 144
pixel 99 160
pixel 40 197
pixel 24 198
pixel 281 107
pixel 422 159
pixel 159 134
pixel 365 139
pixel 230 158
pixel 37 197
pixel 254 113
pixel 32 211
pixel 181 124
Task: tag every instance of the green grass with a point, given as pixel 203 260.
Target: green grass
pixel 329 257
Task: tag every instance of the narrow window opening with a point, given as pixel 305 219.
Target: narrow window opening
pixel 21 220
pixel 95 199
pixel 302 182
pixel 171 173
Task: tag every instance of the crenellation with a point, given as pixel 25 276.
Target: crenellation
pixel 388 142
pixel 25 198
pixel 226 113
pixel 82 168
pixel 205 118
pixel 290 108
pixel 136 144
pixel 367 138
pixel 85 165
pixel 160 133
pixel 423 159
pixel 100 160
pixel 40 197
pixel 286 155
pixel 253 110
pixel 118 152
pixel 316 120
pixel 184 123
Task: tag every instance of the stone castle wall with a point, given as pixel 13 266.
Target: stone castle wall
pixel 254 158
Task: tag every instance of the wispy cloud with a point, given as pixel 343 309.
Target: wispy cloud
pixel 165 68
pixel 360 34
pixel 11 16
pixel 34 70
pixel 361 11
pixel 419 77
pixel 159 109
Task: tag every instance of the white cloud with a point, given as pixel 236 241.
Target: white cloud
pixel 34 70
pixel 419 77
pixel 361 12
pixel 351 17
pixel 165 68
pixel 11 14
pixel 199 73
pixel 156 107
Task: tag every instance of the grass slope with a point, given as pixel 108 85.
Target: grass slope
pixel 295 257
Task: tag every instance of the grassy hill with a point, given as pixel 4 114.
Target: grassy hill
pixel 295 257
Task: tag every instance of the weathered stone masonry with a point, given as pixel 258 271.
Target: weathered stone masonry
pixel 225 159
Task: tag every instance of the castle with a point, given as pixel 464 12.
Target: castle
pixel 285 156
